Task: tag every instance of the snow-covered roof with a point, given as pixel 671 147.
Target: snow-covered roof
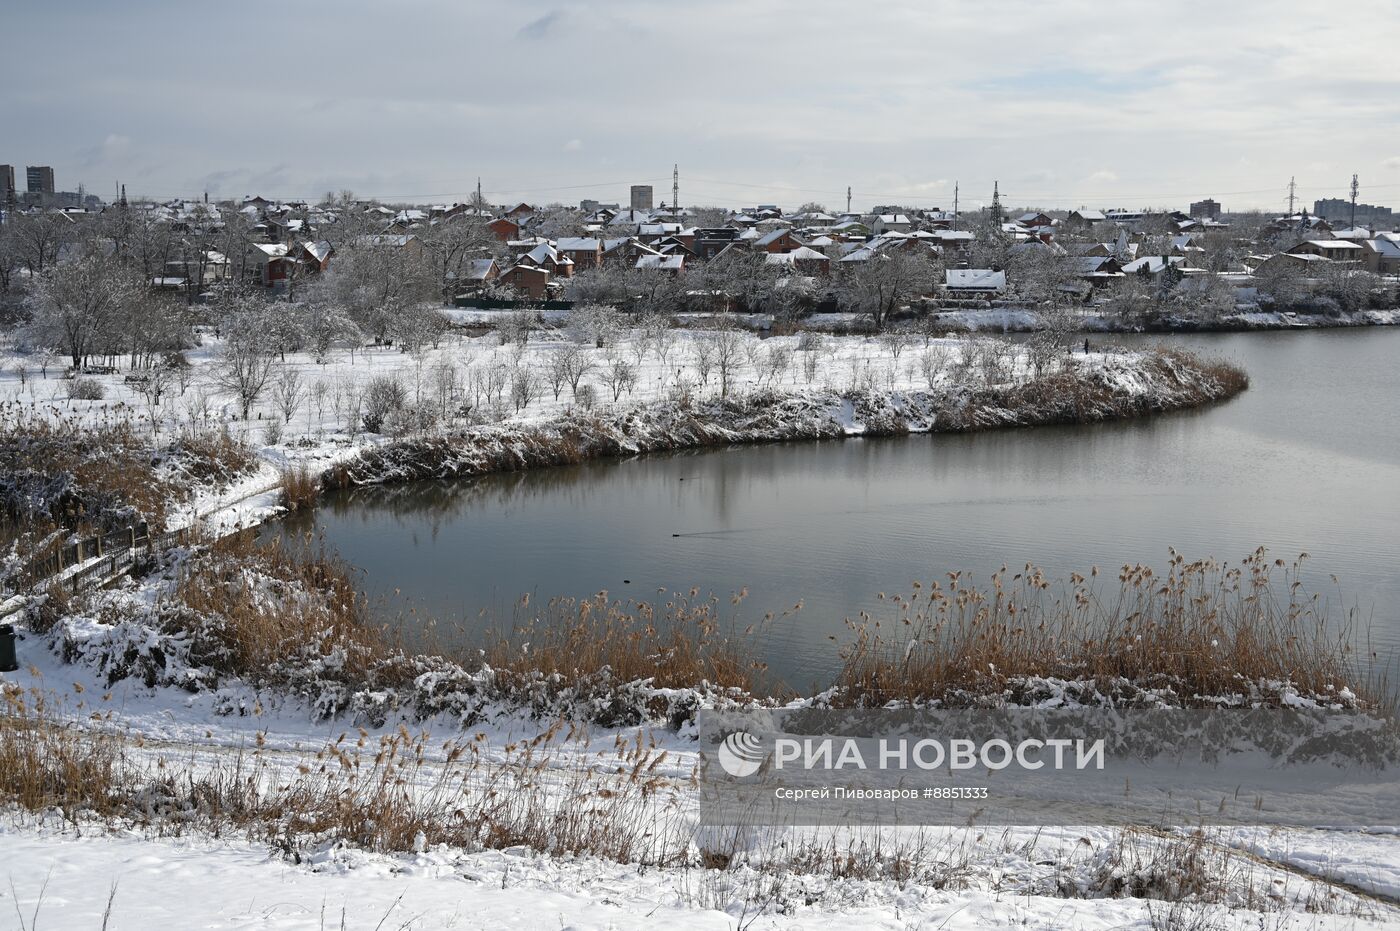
pixel 479 269
pixel 1153 263
pixel 802 254
pixel 773 236
pixel 974 279
pixel 666 263
pixel 1330 244
pixel 319 250
pixel 578 244
pixel 1090 264
pixel 544 252
pixel 630 218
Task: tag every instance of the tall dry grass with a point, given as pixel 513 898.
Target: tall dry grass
pixel 300 488
pixel 251 608
pixel 1201 632
pixel 400 791
pixel 682 642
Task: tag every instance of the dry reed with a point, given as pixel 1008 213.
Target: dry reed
pixel 1200 634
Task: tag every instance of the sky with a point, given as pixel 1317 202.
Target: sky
pixel 1063 104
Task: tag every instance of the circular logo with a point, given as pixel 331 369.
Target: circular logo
pixel 741 754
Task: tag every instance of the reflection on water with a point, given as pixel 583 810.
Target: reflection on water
pixel 1307 460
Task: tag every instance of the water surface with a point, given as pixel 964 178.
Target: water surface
pixel 1307 460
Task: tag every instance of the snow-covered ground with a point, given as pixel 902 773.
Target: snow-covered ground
pixel 460 370
pixel 70 880
pixel 1018 877
pixel 61 875
pixel 475 379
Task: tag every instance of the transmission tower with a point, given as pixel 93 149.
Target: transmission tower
pixel 955 205
pixel 676 190
pixel 1355 189
pixel 848 198
pixel 1292 192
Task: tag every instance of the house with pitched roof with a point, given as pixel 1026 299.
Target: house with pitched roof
pixel 974 281
pixel 584 252
pixel 777 241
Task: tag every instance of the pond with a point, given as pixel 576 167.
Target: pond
pixel 1307 460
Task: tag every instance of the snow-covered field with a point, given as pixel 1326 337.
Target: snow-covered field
pixel 65 880
pixel 1051 878
pixel 467 370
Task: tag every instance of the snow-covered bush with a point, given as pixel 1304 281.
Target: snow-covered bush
pixel 383 396
pixel 86 389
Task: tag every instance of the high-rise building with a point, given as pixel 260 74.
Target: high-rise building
pixel 7 184
pixel 1337 208
pixel 40 178
pixel 641 197
pixel 1206 209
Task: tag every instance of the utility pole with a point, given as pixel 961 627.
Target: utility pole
pixel 676 190
pixel 1355 189
pixel 955 205
pixel 478 203
pixel 1292 192
pixel 848 198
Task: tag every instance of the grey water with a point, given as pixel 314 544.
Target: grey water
pixel 1306 460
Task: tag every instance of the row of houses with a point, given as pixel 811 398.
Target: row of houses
pixel 538 250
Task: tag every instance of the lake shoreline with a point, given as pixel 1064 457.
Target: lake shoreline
pixel 1026 320
pixel 1133 385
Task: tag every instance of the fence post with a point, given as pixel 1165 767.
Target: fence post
pixel 98 538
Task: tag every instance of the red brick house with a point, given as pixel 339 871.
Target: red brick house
pixel 583 252
pixel 504 229
pixel 777 242
pixel 530 280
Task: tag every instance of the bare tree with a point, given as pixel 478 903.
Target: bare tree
pixel 932 364
pixel 704 347
pixel 288 392
pixel 598 324
pixel 896 341
pixel 728 344
pixel 452 244
pixel 880 285
pixel 524 386
pixel 244 364
pixel 619 375
pixel 77 303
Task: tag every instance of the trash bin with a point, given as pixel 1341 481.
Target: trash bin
pixel 9 662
